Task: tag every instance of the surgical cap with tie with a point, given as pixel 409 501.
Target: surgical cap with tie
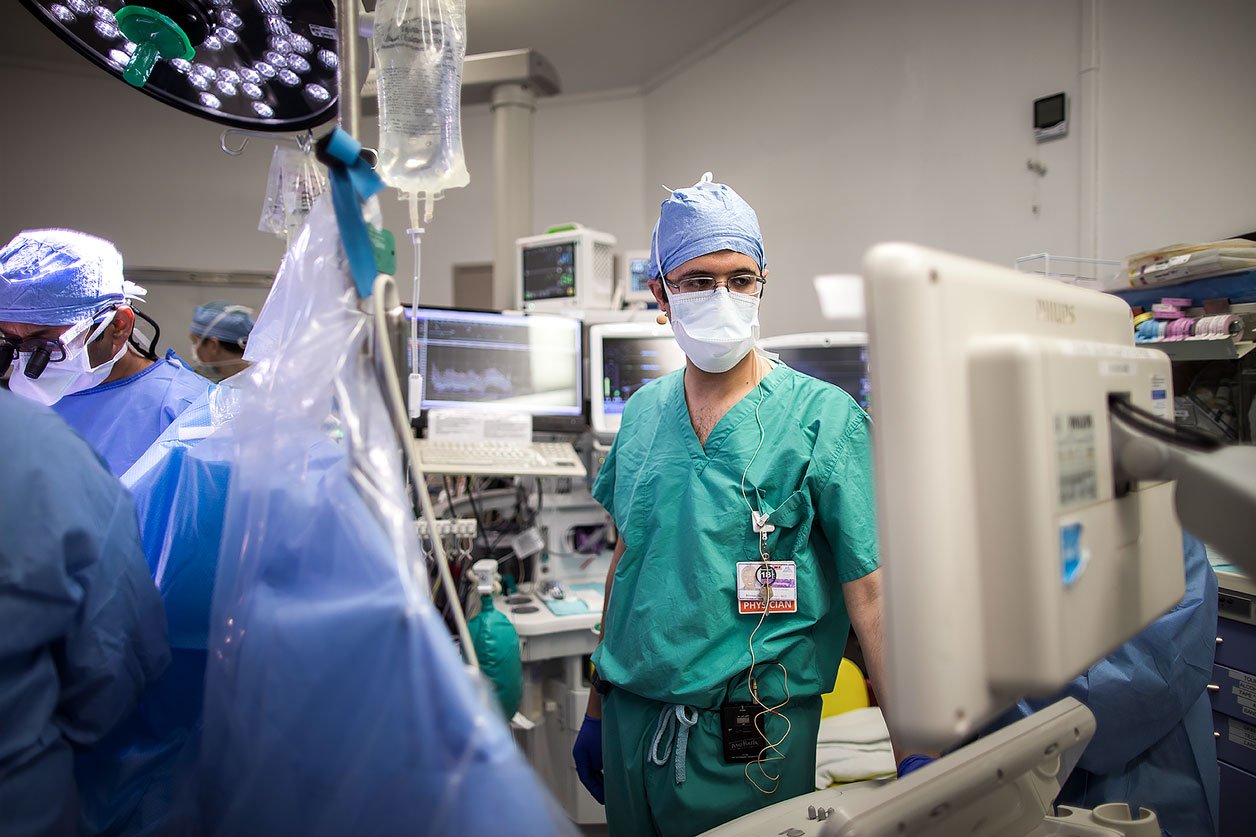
pixel 704 218
pixel 60 277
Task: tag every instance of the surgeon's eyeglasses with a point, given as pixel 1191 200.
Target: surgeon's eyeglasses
pixel 45 350
pixel 750 284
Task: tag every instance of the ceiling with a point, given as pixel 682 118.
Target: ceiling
pixel 596 45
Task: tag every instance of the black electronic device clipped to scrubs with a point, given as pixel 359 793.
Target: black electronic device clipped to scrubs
pixel 743 742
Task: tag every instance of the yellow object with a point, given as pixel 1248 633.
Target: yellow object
pixel 850 691
pixel 1141 318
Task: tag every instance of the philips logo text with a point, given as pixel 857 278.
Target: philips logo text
pixel 1056 312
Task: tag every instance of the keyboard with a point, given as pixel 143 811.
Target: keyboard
pixel 500 459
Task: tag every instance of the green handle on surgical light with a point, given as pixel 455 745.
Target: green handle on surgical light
pixel 155 36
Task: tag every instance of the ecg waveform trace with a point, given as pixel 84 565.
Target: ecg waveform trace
pixel 484 383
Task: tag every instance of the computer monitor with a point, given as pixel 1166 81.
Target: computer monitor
pixel 1013 557
pixel 623 357
pixel 635 273
pixel 838 357
pixel 569 270
pixel 499 361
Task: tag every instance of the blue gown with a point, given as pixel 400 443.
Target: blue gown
pixel 1153 744
pixel 83 628
pixel 131 779
pixel 120 420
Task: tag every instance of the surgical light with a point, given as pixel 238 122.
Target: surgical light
pixel 261 42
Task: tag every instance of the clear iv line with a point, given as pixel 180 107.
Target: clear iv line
pixel 751 683
pixel 415 383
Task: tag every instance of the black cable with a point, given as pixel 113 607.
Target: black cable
pixel 1149 428
pixel 151 351
pixel 1162 429
pixel 479 520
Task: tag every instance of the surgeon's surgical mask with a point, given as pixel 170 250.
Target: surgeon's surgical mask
pixel 715 329
pixel 73 374
pixel 211 370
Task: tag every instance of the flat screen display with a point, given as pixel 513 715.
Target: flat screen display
pixel 843 366
pixel 629 363
pixel 641 275
pixel 549 272
pixel 500 361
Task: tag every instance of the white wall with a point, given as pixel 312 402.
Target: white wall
pixel 87 152
pixel 1178 122
pixel 846 123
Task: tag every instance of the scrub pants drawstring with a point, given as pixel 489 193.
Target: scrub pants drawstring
pixel 670 714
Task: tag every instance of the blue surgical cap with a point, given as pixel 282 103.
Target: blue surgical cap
pixel 223 321
pixel 705 218
pixel 60 277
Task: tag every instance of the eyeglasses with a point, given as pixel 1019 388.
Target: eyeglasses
pixel 46 350
pixel 41 349
pixel 750 284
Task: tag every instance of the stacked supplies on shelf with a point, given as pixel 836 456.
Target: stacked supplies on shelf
pixel 1185 262
pixel 1169 321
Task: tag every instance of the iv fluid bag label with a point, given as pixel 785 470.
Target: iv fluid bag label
pixel 427 55
pixel 1075 457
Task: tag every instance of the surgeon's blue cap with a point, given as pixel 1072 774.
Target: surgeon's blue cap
pixel 702 219
pixel 60 277
pixel 223 321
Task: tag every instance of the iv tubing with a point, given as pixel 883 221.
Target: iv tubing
pixel 384 367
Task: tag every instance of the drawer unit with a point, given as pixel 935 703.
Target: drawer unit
pixel 1235 693
pixel 1238 802
pixel 1236 645
pixel 1236 742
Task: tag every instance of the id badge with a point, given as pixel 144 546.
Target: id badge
pixel 778 577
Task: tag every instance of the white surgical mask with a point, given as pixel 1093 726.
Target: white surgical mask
pixel 211 369
pixel 65 377
pixel 715 329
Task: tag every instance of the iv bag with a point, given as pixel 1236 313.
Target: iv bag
pixel 419 50
pixel 295 182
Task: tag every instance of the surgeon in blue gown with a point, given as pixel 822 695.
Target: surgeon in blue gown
pixel 83 628
pixel 67 326
pixel 1153 743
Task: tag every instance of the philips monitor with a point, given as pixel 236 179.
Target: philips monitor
pixel 838 357
pixel 1014 557
pixel 564 271
pixel 635 273
pixel 487 360
pixel 624 357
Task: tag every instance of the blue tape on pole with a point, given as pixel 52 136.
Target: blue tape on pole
pixel 352 182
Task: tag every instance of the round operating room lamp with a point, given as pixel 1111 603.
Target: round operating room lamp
pixel 263 65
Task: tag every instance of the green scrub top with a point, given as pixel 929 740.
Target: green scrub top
pixel 673 633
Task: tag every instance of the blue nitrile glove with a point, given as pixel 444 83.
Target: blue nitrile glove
pixel 587 754
pixel 911 763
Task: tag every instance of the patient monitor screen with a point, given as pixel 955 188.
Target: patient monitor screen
pixel 842 366
pixel 641 273
pixel 549 272
pixel 502 361
pixel 629 363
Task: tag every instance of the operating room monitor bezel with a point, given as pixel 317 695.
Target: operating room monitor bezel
pixel 564 416
pixel 600 421
pixel 821 340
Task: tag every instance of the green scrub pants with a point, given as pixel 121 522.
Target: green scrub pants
pixel 644 798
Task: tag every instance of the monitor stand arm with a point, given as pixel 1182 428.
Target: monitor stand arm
pixel 1215 494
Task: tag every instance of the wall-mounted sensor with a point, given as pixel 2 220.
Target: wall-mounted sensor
pixel 1050 117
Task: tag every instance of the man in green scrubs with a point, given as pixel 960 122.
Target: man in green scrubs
pixel 738 485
